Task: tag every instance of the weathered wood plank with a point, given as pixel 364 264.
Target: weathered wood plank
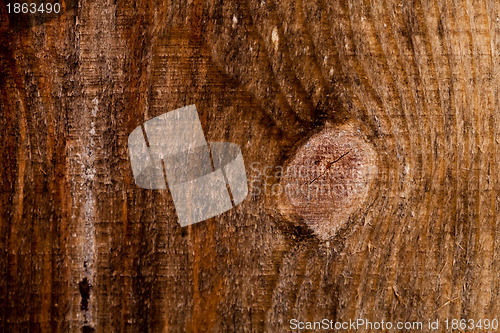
pixel 420 78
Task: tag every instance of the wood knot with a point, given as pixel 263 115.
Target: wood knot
pixel 328 179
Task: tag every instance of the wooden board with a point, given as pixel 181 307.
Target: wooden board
pixel 85 249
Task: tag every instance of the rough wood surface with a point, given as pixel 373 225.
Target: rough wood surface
pixel 85 249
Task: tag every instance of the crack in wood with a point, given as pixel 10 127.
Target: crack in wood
pixel 328 166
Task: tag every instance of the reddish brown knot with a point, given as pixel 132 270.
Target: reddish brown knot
pixel 328 179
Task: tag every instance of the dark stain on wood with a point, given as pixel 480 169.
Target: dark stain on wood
pixel 84 288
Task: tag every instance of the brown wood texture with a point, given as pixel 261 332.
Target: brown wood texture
pixel 85 249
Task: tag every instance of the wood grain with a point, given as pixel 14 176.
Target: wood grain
pixel 420 76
